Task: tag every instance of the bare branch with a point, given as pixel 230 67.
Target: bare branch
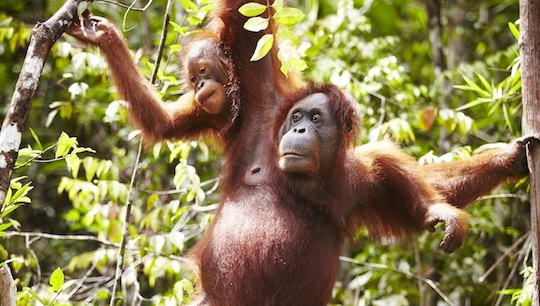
pixel 61 237
pixel 130 7
pixel 507 253
pixel 132 186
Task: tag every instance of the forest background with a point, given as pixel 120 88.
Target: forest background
pixel 443 90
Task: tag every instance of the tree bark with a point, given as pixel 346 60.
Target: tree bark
pixel 7 287
pixel 435 27
pixel 44 35
pixel 529 46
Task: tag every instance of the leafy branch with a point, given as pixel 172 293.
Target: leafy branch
pixel 276 13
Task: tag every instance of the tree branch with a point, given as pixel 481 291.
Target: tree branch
pixel 44 35
pixel 61 237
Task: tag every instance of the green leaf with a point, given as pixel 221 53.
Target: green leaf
pixel 189 6
pixel 194 20
pixel 158 243
pixel 5 226
pixel 256 24
pixel 179 29
pixel 23 191
pixel 103 169
pixel 252 9
pixel 9 209
pixel 73 163
pixel 34 135
pixel 175 47
pixel 57 279
pixel 485 82
pixel 298 64
pixel 80 150
pixel 476 88
pixel 470 104
pixel 514 30
pixel 509 119
pixel 288 16
pixel 178 239
pixel 263 47
pixel 35 296
pixel 277 5
pixel 205 8
pixel 90 168
pixel 64 144
pixel 7 199
pixel 26 200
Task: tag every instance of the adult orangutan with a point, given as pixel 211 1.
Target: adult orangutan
pixel 278 241
pixel 289 199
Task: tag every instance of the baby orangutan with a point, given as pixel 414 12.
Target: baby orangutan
pixel 205 109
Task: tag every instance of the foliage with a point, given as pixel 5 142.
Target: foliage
pixel 62 186
pixel 285 17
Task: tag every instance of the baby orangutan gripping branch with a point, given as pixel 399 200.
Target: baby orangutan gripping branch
pixel 205 109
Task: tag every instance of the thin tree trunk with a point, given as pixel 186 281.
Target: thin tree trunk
pixel 8 290
pixel 44 35
pixel 433 10
pixel 459 32
pixel 530 62
pixel 438 59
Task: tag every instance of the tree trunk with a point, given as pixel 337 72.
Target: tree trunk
pixel 529 46
pixel 433 11
pixel 8 290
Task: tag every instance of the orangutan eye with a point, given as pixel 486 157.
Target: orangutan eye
pixel 296 117
pixel 315 118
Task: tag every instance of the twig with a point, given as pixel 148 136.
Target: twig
pixel 500 196
pixel 132 188
pixel 125 232
pixel 27 244
pixel 81 281
pixel 35 158
pixel 525 250
pixel 501 258
pixel 164 31
pixel 130 7
pixel 61 237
